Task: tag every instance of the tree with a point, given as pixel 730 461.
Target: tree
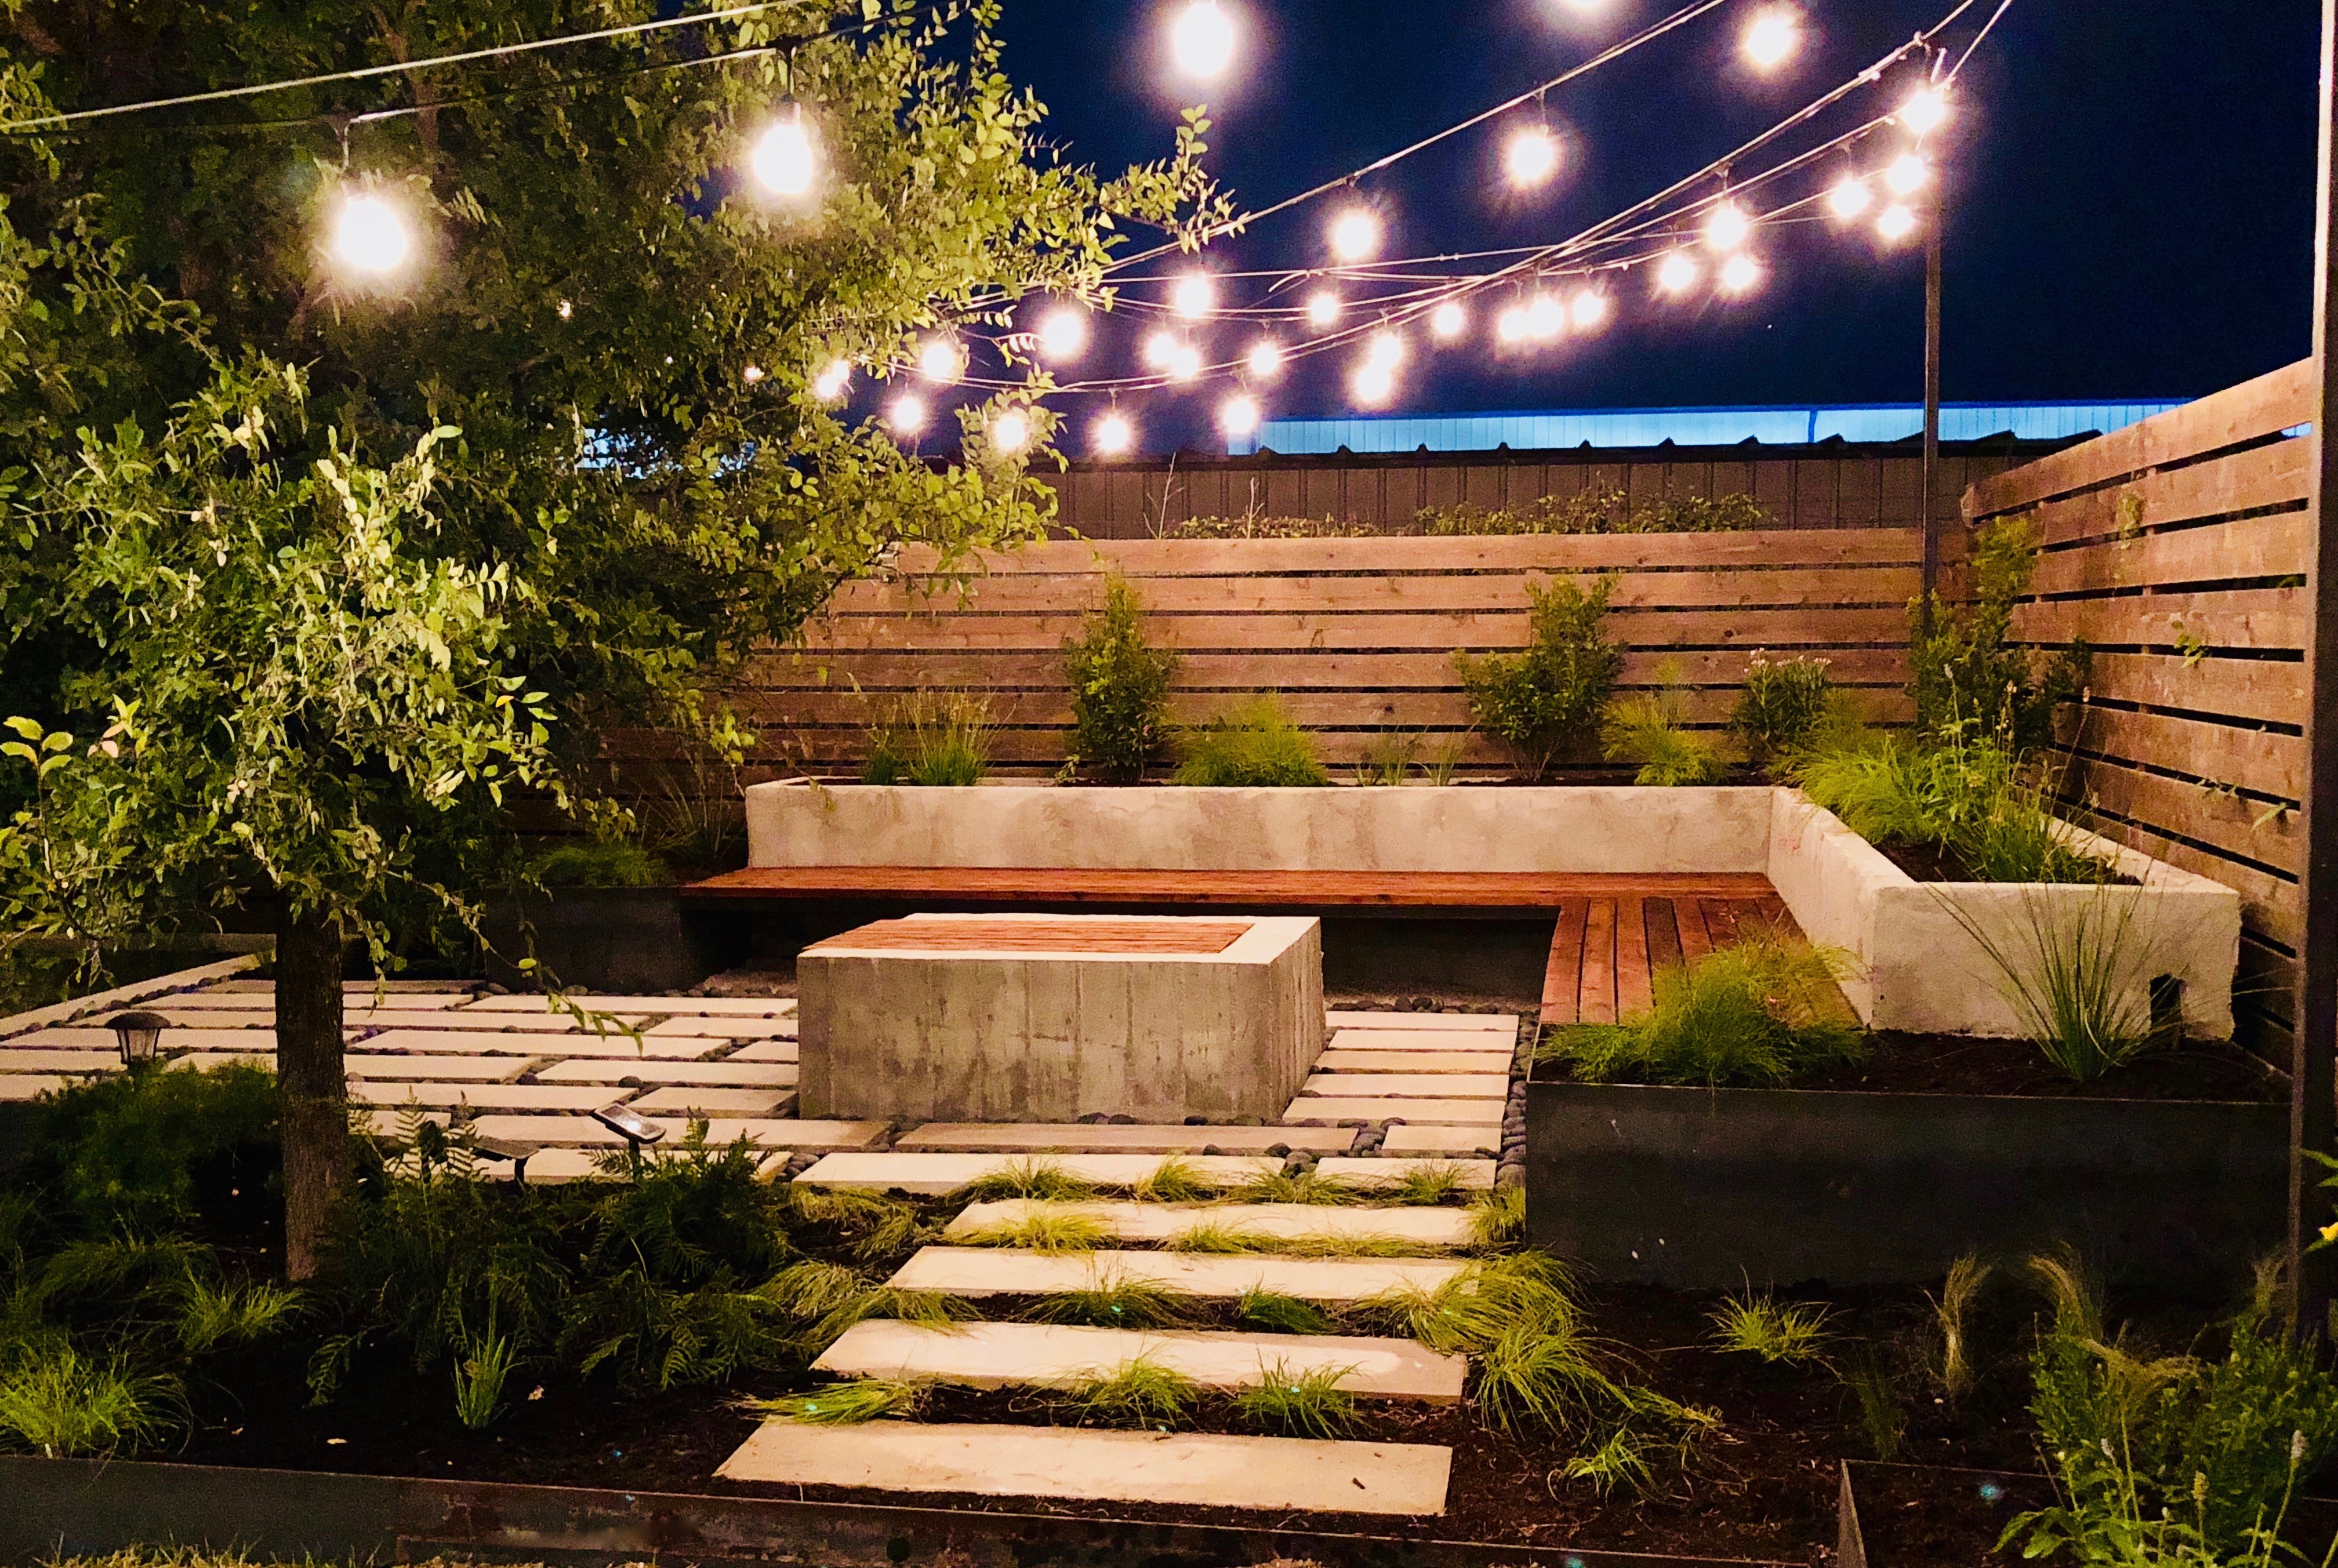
pixel 290 677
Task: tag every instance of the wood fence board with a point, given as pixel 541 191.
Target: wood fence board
pixel 2244 481
pixel 2272 546
pixel 2239 415
pixel 2264 761
pixel 2252 688
pixel 2266 618
pixel 2235 825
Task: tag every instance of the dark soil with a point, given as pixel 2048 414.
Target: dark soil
pixel 1939 863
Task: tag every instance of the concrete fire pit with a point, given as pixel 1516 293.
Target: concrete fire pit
pixel 1050 1017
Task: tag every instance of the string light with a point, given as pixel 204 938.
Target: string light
pixel 1322 309
pixel 1677 273
pixel 1159 347
pixel 1772 37
pixel 751 374
pixel 1112 435
pixel 942 361
pixel 1590 310
pixel 1373 384
pixel 1849 198
pixel 907 416
pixel 1907 175
pixel 1355 234
pixel 830 384
pixel 1202 40
pixel 1449 321
pixel 1530 157
pixel 1063 333
pixel 1728 228
pixel 1545 318
pixel 1510 326
pixel 1740 274
pixel 1238 414
pixel 1184 363
pixel 369 236
pixel 1010 431
pixel 1265 359
pixel 1386 348
pixel 1897 223
pixel 1194 297
pixel 1925 112
pixel 785 161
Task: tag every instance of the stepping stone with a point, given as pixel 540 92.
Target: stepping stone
pixel 938 1175
pixel 19 1086
pixel 1008 1271
pixel 489 1096
pixel 358 996
pixel 201 1060
pixel 582 1131
pixel 1452 1112
pixel 1425 1040
pixel 661 1047
pixel 1092 1138
pixel 1409 1086
pixel 765 1051
pixel 1409 1138
pixel 1060 1356
pixel 457 1022
pixel 1282 1473
pixel 728 1028
pixel 438 1069
pixel 704 1102
pixel 661 1006
pixel 1476 1175
pixel 1159 1223
pixel 710 1075
pixel 536 1042
pixel 1489 1023
pixel 1338 1061
pixel 213 1001
pixel 179 1039
pixel 390 1123
pixel 14 1061
pixel 558 1167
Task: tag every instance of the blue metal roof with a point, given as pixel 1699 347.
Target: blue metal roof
pixel 1687 427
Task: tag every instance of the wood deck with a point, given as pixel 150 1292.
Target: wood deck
pixel 993 887
pixel 1607 947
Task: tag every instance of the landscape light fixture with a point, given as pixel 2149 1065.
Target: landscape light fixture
pixel 1202 40
pixel 369 236
pixel 785 161
pixel 137 1036
pixel 634 1128
pixel 499 1151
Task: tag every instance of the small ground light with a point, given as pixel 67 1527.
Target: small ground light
pixel 1449 321
pixel 369 236
pixel 1738 274
pixel 1849 198
pixel 1322 309
pixel 1907 175
pixel 1590 310
pixel 941 361
pixel 830 384
pixel 631 1125
pixel 1238 414
pixel 1202 40
pixel 1897 223
pixel 1265 359
pixel 136 1036
pixel 784 160
pixel 1114 435
pixel 1010 432
pixel 1530 157
pixel 1355 234
pixel 1772 37
pixel 1064 333
pixel 1727 228
pixel 1194 297
pixel 1925 112
pixel 907 416
pixel 1678 273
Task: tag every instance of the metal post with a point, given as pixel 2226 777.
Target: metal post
pixel 1930 488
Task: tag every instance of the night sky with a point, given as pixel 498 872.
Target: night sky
pixel 2130 185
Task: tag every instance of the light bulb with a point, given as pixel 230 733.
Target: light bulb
pixel 907 416
pixel 1738 274
pixel 1677 273
pixel 1545 318
pixel 1010 432
pixel 1907 175
pixel 1510 326
pixel 751 374
pixel 1194 296
pixel 1849 198
pixel 1530 157
pixel 1238 414
pixel 784 162
pixel 370 235
pixel 1385 348
pixel 1202 40
pixel 1772 37
pixel 830 383
pixel 1322 309
pixel 1925 112
pixel 1727 228
pixel 1114 435
pixel 1897 223
pixel 1160 346
pixel 1373 384
pixel 1449 321
pixel 941 361
pixel 1355 234
pixel 1184 363
pixel 1064 333
pixel 1590 310
pixel 1265 359
pixel 567 309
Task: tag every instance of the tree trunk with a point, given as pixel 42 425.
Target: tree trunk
pixel 311 1083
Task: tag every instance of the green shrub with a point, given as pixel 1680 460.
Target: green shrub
pixel 1255 746
pixel 1965 675
pixel 1759 1014
pixel 1120 688
pixel 1599 510
pixel 940 742
pixel 1543 699
pixel 1254 526
pixel 63 1404
pixel 1791 1332
pixel 603 865
pixel 1783 708
pixel 1647 729
pixel 141 1150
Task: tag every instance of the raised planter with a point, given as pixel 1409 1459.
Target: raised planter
pixel 1705 1188
pixel 606 939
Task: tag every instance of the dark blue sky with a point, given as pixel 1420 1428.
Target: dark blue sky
pixel 2130 184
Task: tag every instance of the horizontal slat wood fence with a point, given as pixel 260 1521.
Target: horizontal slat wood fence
pixel 1357 635
pixel 2177 550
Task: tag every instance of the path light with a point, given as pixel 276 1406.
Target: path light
pixel 634 1128
pixel 1064 333
pixel 785 161
pixel 1741 274
pixel 1925 112
pixel 136 1036
pixel 1114 435
pixel 499 1150
pixel 1194 297
pixel 1010 432
pixel 1238 414
pixel 830 384
pixel 370 235
pixel 1202 40
pixel 1265 359
pixel 1849 198
pixel 1727 228
pixel 909 414
pixel 1530 157
pixel 1677 273
pixel 1772 37
pixel 1355 234
pixel 1897 223
pixel 941 360
pixel 1449 321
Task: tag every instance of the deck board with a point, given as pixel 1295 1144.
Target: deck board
pixel 1607 947
pixel 1632 977
pixel 1598 988
pixel 1562 982
pixel 991 886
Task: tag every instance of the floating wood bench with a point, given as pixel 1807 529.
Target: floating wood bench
pixel 988 887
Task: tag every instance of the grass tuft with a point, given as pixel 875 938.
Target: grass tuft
pixel 1143 1393
pixel 828 1299
pixel 1429 1184
pixel 1215 1236
pixel 1042 1180
pixel 1254 745
pixel 1952 1309
pixel 848 1404
pixel 1113 1302
pixel 1049 1230
pixel 1758 1015
pixel 1299 1405
pixel 1788 1334
pixel 878 1225
pixel 1280 1314
pixel 1175 1179
pixel 1308 1186
pixel 1497 1216
pixel 65 1404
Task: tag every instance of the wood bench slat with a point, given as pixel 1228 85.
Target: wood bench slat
pixel 1246 890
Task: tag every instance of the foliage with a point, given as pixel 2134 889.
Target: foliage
pixel 1785 707
pixel 1389 760
pixel 2078 972
pixel 873 1225
pixel 1031 1176
pixel 1649 729
pixel 1952 1312
pixel 54 1399
pixel 1142 1392
pixel 132 1152
pixel 1120 688
pixel 606 864
pixel 1114 1301
pixel 1497 1216
pixel 1882 1414
pixel 1543 699
pixel 1042 1228
pixel 1598 510
pixel 1789 1333
pixel 1308 1186
pixel 1217 1236
pixel 1310 1404
pixel 1761 1014
pixel 1254 746
pixel 940 742
pixel 1280 1314
pixel 848 1404
pixel 1175 1179
pixel 1429 1183
pixel 1965 675
pixel 1258 525
pixel 479 1380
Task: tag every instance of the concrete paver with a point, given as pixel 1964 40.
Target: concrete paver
pixel 1489 1023
pixel 1157 1222
pixel 937 1175
pixel 438 1069
pixel 489 1096
pixel 678 1006
pixel 1338 1061
pixel 1449 1113
pixel 1005 1271
pixel 699 1101
pixel 1476 1175
pixel 1096 1138
pixel 535 1042
pixel 583 1132
pixel 1409 1086
pixel 775 1050
pixel 1411 1139
pixel 728 1028
pixel 658 1074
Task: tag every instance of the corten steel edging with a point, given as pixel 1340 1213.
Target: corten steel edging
pixel 65 1507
